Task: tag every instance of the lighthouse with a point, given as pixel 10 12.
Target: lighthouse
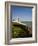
pixel 17 19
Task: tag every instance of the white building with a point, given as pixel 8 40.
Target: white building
pixel 17 19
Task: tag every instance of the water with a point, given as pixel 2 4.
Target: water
pixel 28 23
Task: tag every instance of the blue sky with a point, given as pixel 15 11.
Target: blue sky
pixel 24 13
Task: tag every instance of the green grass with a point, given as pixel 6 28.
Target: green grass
pixel 20 31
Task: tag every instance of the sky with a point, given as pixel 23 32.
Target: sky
pixel 24 13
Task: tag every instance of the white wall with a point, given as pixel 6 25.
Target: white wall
pixel 2 18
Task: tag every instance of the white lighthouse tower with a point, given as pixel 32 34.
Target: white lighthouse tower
pixel 17 19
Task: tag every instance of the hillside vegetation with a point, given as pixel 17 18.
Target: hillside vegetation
pixel 21 31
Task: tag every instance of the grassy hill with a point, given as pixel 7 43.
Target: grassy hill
pixel 21 31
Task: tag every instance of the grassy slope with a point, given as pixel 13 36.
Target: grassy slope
pixel 19 31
